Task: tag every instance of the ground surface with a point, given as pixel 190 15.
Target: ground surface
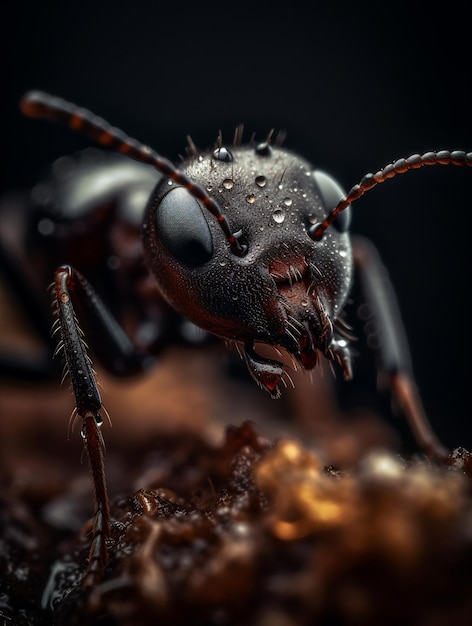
pixel 217 520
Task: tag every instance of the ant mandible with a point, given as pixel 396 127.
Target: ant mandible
pixel 270 262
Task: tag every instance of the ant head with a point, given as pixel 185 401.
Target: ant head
pixel 284 288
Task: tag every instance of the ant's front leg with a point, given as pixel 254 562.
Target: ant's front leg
pixel 70 284
pixel 393 353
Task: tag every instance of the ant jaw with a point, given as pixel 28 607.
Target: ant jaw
pixel 338 351
pixel 266 372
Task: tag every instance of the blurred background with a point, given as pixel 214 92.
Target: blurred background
pixel 354 88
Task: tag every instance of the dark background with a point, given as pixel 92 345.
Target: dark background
pixel 354 87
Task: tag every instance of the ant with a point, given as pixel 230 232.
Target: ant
pixel 249 243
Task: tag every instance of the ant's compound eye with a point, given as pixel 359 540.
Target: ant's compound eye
pixel 182 228
pixel 331 193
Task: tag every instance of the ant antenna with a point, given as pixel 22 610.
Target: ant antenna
pixel 41 105
pixel 369 181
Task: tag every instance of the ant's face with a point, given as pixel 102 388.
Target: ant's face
pixel 286 289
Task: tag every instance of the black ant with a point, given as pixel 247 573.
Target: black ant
pixel 249 243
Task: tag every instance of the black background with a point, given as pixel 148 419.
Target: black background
pixel 354 87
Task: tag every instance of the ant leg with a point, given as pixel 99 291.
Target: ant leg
pixel 69 283
pixel 393 350
pixel 111 345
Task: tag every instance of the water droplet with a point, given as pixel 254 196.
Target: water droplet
pixel 261 181
pixel 228 183
pixel 304 302
pixel 222 154
pixel 222 263
pixel 278 216
pixel 287 201
pixel 251 198
pixel 264 149
pixel 342 253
